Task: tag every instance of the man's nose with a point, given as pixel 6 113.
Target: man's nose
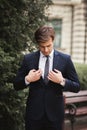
pixel 45 49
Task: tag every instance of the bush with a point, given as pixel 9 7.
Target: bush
pixel 12 109
pixel 82 74
pixel 18 21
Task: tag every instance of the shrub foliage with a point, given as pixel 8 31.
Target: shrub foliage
pixel 18 21
pixel 82 74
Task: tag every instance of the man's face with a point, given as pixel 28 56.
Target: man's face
pixel 46 47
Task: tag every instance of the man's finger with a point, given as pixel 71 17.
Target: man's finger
pixel 57 71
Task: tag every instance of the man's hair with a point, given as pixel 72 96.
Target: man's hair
pixel 43 34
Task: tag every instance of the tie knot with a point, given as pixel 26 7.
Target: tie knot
pixel 47 56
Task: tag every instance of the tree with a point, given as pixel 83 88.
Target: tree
pixel 18 21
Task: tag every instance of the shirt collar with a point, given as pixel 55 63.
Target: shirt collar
pixel 50 55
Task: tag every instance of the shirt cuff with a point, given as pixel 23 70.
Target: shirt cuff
pixel 26 82
pixel 63 82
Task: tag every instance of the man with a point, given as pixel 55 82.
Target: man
pixel 47 73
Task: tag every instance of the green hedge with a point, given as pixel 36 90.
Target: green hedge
pixel 12 109
pixel 82 74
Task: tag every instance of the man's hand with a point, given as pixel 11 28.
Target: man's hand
pixel 55 76
pixel 33 75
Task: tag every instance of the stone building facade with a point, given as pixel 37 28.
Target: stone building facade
pixel 69 18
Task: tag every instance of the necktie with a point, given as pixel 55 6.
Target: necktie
pixel 46 70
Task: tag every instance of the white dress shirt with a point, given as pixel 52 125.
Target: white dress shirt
pixel 42 61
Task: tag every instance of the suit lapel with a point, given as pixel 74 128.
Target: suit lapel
pixel 56 60
pixel 36 65
pixel 36 60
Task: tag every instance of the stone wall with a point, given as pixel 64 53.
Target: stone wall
pixel 74 32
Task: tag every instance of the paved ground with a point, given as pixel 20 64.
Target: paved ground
pixel 80 124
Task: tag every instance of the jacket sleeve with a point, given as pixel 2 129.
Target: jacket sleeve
pixel 72 82
pixel 19 81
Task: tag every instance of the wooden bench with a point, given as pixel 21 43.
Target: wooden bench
pixel 75 105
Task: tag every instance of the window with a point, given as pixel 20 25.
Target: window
pixel 57 25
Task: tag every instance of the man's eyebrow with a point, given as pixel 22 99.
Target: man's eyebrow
pixel 45 46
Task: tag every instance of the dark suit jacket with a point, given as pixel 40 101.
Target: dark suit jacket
pixel 47 98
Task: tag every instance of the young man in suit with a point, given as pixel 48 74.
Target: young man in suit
pixel 47 73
